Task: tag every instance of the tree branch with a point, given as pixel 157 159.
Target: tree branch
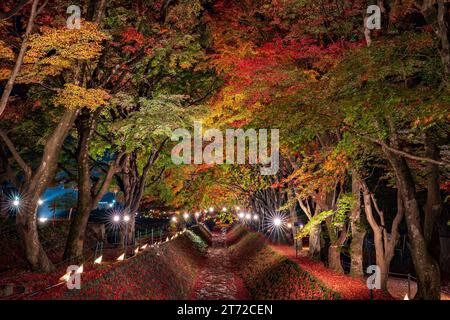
pixel 22 164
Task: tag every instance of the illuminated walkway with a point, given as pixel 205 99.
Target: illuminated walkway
pixel 218 280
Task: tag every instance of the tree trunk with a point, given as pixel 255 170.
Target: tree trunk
pixel 28 233
pixel 334 258
pixel 88 195
pixel 314 242
pixel 334 252
pixel 358 232
pixel 433 208
pixel 378 239
pixel 427 268
pixel 26 218
pixel 75 239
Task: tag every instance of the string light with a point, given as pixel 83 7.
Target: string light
pixel 40 202
pixel 126 218
pixel 121 257
pixel 240 215
pixel 211 209
pixel 98 260
pixel 16 201
pixel 255 217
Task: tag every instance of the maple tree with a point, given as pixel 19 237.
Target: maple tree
pixel 363 116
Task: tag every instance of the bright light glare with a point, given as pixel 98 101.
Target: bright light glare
pixel 122 256
pixel 144 247
pixel 16 202
pixel 197 214
pixel 289 225
pixel 174 219
pixel 40 202
pixel 98 260
pixel 240 215
pixel 248 216
pixel 116 218
pixel 126 218
pixel 277 222
pixel 186 216
pixel 255 217
pixel 43 220
pixel 224 209
pixel 65 277
pixel 211 209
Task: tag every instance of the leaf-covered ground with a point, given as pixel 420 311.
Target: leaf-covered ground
pixel 218 279
pixel 272 276
pixel 348 288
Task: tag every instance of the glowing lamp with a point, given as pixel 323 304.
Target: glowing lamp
pixel 65 277
pixel 122 257
pixel 277 222
pixel 98 260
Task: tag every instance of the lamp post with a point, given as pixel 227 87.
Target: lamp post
pixel 256 219
pixel 126 218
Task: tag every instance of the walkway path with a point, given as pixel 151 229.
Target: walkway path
pixel 218 279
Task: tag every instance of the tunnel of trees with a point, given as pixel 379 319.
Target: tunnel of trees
pixel 362 113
